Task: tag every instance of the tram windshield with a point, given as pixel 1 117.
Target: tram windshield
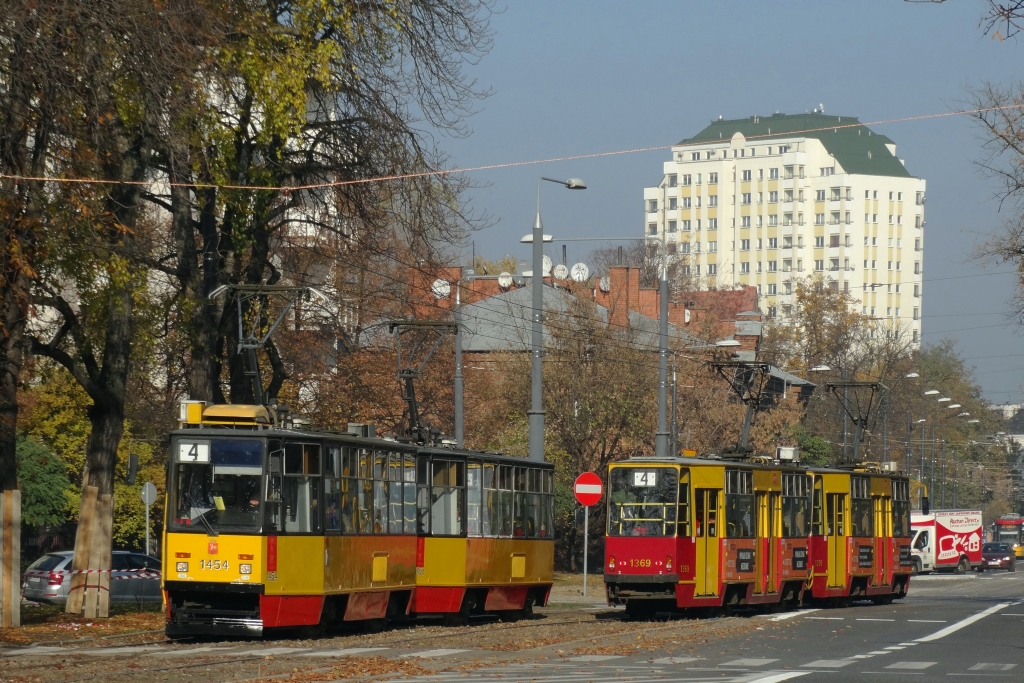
pixel 217 484
pixel 642 501
pixel 1009 533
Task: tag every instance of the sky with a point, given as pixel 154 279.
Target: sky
pixel 578 77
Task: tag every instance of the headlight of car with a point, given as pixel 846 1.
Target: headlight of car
pixel 245 569
pixel 1006 559
pixel 181 566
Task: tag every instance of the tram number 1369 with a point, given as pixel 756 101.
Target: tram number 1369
pixel 213 564
pixel 639 563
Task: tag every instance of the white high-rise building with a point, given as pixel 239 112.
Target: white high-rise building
pixel 770 199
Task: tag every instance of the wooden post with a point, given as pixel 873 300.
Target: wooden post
pixel 10 559
pixel 83 542
pixel 105 526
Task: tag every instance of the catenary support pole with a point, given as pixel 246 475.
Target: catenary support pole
pixel 943 473
pixel 536 414
pixel 662 436
pixel 459 387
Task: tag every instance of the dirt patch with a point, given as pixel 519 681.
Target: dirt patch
pixel 49 623
pixel 356 667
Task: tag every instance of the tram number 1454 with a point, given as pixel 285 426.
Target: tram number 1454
pixel 213 564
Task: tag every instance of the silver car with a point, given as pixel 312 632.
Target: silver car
pixel 134 577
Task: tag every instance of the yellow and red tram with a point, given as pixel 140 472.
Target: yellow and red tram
pixel 270 526
pixel 691 532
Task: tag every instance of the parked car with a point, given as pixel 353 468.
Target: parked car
pixel 998 556
pixel 134 577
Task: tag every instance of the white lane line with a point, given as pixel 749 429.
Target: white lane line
pixel 907 644
pixel 828 663
pixel 991 667
pixel 827 618
pixel 928 621
pixel 880 652
pixel 748 662
pixel 675 660
pixel 953 628
pixel 1011 614
pixel 594 658
pixel 441 652
pixel 896 647
pixel 866 619
pixel 790 615
pixel 777 678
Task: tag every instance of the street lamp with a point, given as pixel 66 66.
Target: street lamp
pixel 538 238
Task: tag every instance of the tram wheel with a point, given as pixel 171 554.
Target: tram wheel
pixel 375 625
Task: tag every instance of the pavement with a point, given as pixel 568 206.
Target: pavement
pixel 948 628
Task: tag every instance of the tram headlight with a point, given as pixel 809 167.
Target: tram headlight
pixel 245 569
pixel 668 563
pixel 181 566
pixel 611 562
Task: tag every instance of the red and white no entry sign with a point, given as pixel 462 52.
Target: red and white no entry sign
pixel 588 488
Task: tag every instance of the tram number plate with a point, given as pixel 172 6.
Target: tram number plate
pixel 213 564
pixel 744 560
pixel 904 554
pixel 800 558
pixel 865 556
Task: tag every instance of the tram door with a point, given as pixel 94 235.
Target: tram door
pixel 881 494
pixel 706 503
pixel 835 518
pixel 765 547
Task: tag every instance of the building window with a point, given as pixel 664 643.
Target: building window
pixel 760 174
pixel 686 226
pixel 745 176
pixel 890 219
pixel 745 198
pixel 827 171
pixel 773 220
pixel 913 337
pixel 819 264
pixel 686 270
pixel 837 194
pixel 771 290
pixel 897 311
pixel 819 242
pixel 687 179
pixel 673 204
pixel 686 202
pixel 652 205
pixel 787 266
pixel 917 267
pixel 672 226
pixel 898 265
pixel 865 267
pixel 874 265
pixel 773 266
pixel 745 267
pixel 890 265
pixel 833 264
pixel 744 221
pixel 698 225
pixel 867 218
pixel 696 269
pixel 772 311
pixel 672 180
pixel 744 245
pixel 773 174
pixel 712 224
pixel 773 197
pixel 712 247
pixel 685 247
pixel 916 314
pixel 773 242
pixel 713 200
pixel 712 179
pixel 712 269
pixel 819 219
pixel 834 219
pixel 819 195
pixel 694 156
pixel 833 240
pixel 917 291
pixel 671 248
pixel 652 228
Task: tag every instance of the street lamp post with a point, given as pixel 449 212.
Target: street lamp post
pixel 536 413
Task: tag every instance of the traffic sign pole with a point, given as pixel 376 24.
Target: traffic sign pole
pixel 148 497
pixel 588 489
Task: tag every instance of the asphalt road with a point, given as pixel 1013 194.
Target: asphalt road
pixel 949 627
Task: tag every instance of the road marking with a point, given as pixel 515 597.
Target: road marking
pixel 827 618
pixel 675 660
pixel 594 658
pixel 908 644
pixel 1010 614
pixel 748 662
pixel 342 653
pixel 777 678
pixel 828 663
pixel 36 650
pixel 880 652
pixel 426 654
pixel 896 647
pixel 188 652
pixel 991 667
pixel 928 621
pixel 866 619
pixel 861 656
pixel 911 665
pixel 273 651
pixel 963 623
pixel 790 615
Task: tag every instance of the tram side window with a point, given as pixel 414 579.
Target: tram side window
pixel 547 515
pixel 332 489
pixel 861 507
pixel 474 494
pixel 348 508
pixel 901 509
pixel 423 495
pixel 409 493
pixel 683 518
pixel 446 497
pixel 795 504
pixel 364 471
pixel 520 501
pixel 299 489
pixel 739 504
pixel 505 499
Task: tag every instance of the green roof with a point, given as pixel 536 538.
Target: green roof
pixel 857 149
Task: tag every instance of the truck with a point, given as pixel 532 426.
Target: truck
pixel 946 540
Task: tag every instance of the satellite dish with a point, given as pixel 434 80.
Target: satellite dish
pixel 505 279
pixel 579 272
pixel 547 266
pixel 686 316
pixel 519 280
pixel 605 284
pixel 561 271
pixel 441 288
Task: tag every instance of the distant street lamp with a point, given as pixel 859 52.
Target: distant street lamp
pixel 536 414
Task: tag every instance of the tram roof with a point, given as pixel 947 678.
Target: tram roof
pixel 727 462
pixel 348 437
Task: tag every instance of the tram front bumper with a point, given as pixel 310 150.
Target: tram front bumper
pixel 640 586
pixel 213 609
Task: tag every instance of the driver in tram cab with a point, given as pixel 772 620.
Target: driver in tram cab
pixel 251 499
